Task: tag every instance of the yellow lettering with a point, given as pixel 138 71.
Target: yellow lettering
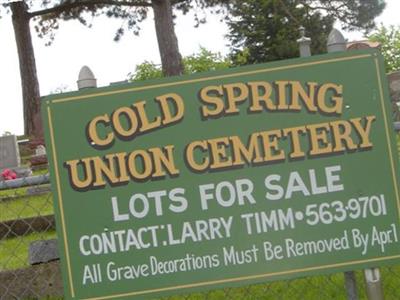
pixel 76 182
pixel 220 159
pixel 257 97
pixel 215 101
pixel 163 160
pixel 364 132
pixel 92 131
pixel 202 145
pixel 319 139
pixel 336 99
pixel 175 100
pixel 131 118
pixel 342 136
pixel 294 134
pixel 235 93
pixel 271 148
pixel 146 125
pixel 308 98
pixel 250 153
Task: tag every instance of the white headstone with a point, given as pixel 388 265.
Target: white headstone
pixel 9 152
pixel 40 150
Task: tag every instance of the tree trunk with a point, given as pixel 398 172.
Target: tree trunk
pixel 27 66
pixel 171 59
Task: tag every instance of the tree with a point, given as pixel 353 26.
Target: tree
pixel 47 14
pixel 27 65
pixel 203 61
pixel 132 12
pixel 389 39
pixel 266 30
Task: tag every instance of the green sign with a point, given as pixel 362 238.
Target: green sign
pixel 223 179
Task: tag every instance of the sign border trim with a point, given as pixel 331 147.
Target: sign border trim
pixel 235 279
pixel 263 70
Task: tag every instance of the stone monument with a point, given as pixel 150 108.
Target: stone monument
pixel 9 156
pixel 9 152
pixel 39 158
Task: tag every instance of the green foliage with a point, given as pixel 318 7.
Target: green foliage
pixel 26 207
pixel 203 61
pixel 47 14
pixel 389 38
pixel 13 192
pixel 146 70
pixel 267 30
pixel 263 31
pixel 40 172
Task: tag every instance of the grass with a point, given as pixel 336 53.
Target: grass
pixel 13 192
pixel 317 287
pixel 40 172
pixel 313 288
pixel 26 207
pixel 14 251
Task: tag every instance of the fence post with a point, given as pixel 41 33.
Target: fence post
pixel 373 284
pixel 350 283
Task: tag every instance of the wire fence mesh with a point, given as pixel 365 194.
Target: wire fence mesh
pixel 26 216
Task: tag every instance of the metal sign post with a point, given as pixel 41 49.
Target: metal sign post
pixel 373 284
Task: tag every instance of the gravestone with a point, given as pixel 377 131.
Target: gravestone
pixel 40 157
pixel 9 152
pixel 38 190
pixel 9 156
pixel 43 251
pixel 40 150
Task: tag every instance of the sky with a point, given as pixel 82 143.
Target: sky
pixel 74 46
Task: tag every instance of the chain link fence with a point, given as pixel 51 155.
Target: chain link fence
pixel 26 216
